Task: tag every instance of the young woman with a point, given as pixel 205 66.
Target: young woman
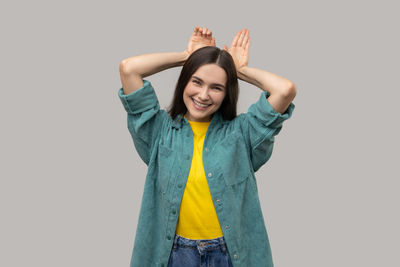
pixel 200 205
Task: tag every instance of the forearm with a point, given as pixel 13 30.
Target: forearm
pixel 147 64
pixel 265 80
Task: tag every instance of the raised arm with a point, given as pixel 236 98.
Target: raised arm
pixel 281 89
pixel 134 69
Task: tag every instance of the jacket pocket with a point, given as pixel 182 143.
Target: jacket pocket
pixel 165 167
pixel 233 179
pixel 232 156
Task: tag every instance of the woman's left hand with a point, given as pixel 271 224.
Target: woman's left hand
pixel 201 37
pixel 239 49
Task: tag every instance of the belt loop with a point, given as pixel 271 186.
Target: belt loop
pixel 176 242
pixel 222 244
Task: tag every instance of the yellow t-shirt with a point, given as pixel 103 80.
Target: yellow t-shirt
pixel 197 216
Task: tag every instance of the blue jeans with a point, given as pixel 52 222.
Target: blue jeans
pixel 199 253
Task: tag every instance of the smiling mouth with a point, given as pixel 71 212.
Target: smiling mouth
pixel 199 104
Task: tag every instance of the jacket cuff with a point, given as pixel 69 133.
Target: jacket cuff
pixel 140 100
pixel 268 115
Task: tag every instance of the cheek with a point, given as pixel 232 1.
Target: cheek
pixel 186 99
pixel 221 99
pixel 186 94
pixel 188 90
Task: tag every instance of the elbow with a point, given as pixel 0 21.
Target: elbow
pixel 290 91
pixel 123 68
pixel 128 67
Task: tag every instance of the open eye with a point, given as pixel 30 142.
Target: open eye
pixel 196 81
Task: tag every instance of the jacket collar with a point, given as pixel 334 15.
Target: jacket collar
pixel 180 119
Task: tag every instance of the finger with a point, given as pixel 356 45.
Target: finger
pixel 246 38
pixel 208 34
pixel 246 32
pixel 247 47
pixel 241 38
pixel 197 31
pixel 204 32
pixel 235 40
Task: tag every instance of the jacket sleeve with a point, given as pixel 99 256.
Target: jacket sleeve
pixel 259 126
pixel 145 118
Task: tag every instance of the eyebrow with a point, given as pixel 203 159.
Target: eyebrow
pixel 211 84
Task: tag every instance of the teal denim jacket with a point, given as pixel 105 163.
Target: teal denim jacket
pixel 233 151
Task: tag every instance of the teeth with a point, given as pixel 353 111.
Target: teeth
pixel 201 105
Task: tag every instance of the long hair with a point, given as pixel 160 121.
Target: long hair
pixel 202 56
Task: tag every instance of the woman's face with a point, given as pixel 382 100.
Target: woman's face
pixel 204 93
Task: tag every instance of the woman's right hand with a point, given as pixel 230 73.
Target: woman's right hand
pixel 201 37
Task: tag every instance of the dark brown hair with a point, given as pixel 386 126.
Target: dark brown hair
pixel 202 56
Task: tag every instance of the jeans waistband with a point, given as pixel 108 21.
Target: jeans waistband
pixel 203 244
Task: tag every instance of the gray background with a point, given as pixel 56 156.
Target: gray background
pixel 72 182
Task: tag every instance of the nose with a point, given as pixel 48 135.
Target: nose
pixel 203 94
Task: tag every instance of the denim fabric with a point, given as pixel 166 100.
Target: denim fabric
pixel 232 152
pixel 199 253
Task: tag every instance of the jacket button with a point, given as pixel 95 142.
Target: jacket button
pixel 218 200
pixel 169 237
pixel 206 149
pixel 162 265
pixel 226 226
pixel 209 174
pixel 187 157
pixel 235 256
pixel 179 185
pixel 173 211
